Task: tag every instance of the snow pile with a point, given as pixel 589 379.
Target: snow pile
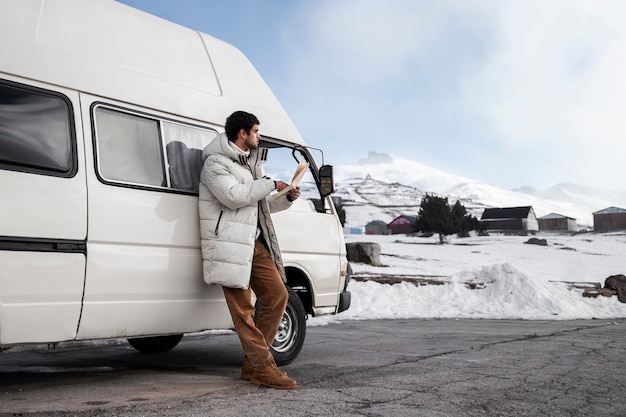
pixel 536 290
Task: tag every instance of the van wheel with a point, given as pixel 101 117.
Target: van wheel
pixel 291 330
pixel 155 344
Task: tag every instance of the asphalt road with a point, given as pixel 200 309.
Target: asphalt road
pixel 363 368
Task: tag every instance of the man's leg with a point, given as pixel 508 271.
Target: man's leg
pixel 251 338
pixel 270 291
pixel 272 296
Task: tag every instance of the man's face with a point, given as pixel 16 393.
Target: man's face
pixel 252 139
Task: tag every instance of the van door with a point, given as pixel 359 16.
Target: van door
pixel 309 240
pixel 43 212
pixel 144 270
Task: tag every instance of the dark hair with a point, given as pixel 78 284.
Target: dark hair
pixel 237 121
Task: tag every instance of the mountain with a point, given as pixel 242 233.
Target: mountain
pixel 384 186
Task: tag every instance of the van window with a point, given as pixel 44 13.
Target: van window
pixel 129 148
pixel 36 133
pixel 280 164
pixel 148 151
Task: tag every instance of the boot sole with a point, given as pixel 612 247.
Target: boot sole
pixel 262 384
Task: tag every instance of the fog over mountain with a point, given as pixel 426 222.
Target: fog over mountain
pixel 384 186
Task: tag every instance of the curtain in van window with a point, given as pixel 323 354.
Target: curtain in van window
pixel 184 154
pixel 129 148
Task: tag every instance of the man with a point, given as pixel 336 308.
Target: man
pixel 239 246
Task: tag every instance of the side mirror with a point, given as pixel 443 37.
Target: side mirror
pixel 327 183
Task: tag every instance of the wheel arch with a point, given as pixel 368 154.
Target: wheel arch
pixel 300 283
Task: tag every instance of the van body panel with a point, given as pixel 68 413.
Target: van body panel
pixel 144 261
pixel 159 60
pixel 134 290
pixel 162 65
pixel 40 212
pixel 40 296
pixel 43 228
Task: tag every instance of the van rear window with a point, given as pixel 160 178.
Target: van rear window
pixel 36 133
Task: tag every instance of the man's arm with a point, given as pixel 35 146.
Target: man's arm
pixel 232 193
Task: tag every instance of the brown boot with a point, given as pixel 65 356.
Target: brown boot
pixel 247 370
pixel 272 377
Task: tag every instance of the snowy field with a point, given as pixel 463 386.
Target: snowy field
pixel 517 280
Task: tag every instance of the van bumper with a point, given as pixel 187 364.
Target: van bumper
pixel 344 301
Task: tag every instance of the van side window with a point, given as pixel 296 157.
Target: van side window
pixel 36 131
pixel 147 151
pixel 129 148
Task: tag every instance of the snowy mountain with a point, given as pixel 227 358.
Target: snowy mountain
pixel 385 186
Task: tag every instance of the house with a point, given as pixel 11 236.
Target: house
pixel 611 218
pixel 402 224
pixel 510 218
pixel 557 222
pixel 376 227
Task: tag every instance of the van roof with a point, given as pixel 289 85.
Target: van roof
pixel 109 49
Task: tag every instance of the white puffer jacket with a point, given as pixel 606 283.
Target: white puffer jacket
pixel 234 201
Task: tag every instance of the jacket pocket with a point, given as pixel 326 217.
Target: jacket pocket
pixel 217 225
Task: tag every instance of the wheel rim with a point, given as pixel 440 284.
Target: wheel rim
pixel 287 331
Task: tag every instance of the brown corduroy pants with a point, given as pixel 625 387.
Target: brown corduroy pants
pixel 272 295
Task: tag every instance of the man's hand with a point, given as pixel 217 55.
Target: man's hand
pixel 280 185
pixel 294 194
pixel 291 194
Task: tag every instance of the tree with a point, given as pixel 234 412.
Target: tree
pixel 435 216
pixel 464 221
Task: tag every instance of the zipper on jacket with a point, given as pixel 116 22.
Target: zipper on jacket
pixel 217 226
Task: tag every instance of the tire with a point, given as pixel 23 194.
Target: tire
pixel 291 331
pixel 155 344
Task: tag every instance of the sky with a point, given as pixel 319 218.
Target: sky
pixel 508 92
pixel 516 281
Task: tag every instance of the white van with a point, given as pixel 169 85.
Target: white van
pixel 104 111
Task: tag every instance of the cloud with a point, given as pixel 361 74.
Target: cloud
pixel 489 89
pixel 554 71
pixel 553 80
pixel 366 40
pixel 369 61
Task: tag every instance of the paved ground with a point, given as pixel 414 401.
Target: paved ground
pixel 366 368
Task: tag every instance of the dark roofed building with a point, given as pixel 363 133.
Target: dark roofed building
pixel 609 219
pixel 376 227
pixel 557 222
pixel 402 224
pixel 510 218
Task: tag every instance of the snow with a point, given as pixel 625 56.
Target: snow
pixel 513 279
